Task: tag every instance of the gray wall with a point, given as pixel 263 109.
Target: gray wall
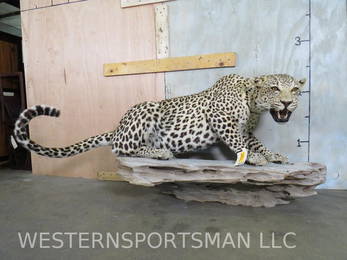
pixel 263 34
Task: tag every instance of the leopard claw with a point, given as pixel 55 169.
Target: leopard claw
pixel 277 158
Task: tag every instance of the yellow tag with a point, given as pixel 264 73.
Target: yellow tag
pixel 241 157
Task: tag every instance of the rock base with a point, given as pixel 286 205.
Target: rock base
pixel 221 181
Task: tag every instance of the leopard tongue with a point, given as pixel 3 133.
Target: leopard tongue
pixel 281 115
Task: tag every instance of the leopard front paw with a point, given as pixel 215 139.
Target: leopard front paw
pixel 256 159
pixel 165 155
pixel 277 158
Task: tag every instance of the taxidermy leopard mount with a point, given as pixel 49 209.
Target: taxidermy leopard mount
pixel 228 111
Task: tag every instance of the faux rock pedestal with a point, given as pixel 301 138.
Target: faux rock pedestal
pixel 221 181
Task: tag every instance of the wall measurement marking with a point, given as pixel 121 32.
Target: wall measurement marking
pixel 298 42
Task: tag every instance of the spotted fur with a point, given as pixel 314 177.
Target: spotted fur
pixel 229 111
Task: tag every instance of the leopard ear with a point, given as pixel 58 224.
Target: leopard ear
pixel 302 82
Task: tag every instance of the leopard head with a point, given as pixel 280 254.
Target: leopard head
pixel 278 94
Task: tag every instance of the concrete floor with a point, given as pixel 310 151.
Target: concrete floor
pixel 55 204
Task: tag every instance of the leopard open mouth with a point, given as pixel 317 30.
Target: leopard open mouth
pixel 280 116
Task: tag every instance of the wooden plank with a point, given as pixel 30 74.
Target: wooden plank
pixel 57 2
pixel 54 42
pixel 161 35
pixel 131 3
pixel 217 60
pixel 109 176
pixel 162 30
pixel 30 4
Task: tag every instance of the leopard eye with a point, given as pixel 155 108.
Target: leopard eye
pixel 275 89
pixel 294 90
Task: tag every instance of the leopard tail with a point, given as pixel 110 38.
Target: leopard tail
pixel 22 137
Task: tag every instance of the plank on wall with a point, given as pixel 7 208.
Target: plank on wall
pixel 162 30
pixel 33 4
pixel 130 3
pixel 30 4
pixel 216 60
pixel 162 37
pixel 64 69
pixel 57 2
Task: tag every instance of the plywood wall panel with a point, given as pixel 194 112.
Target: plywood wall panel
pixel 65 47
